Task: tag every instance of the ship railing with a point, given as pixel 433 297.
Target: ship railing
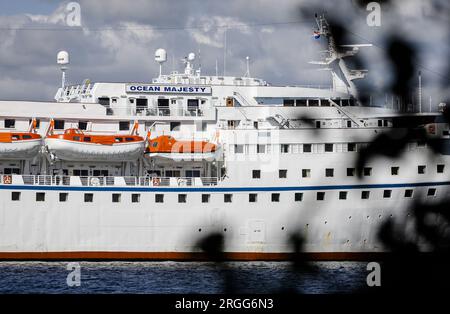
pixel 150 181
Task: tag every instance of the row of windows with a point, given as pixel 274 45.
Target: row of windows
pixel 228 198
pixel 329 172
pixel 60 124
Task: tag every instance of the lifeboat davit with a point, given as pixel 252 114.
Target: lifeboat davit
pixel 19 145
pixel 75 145
pixel 168 147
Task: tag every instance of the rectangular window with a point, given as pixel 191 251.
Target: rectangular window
pixel 228 198
pixel 82 125
pixel 282 173
pixel 40 197
pixel 59 124
pixel 205 198
pixel 252 198
pixel 256 174
pixel 306 173
pixel 63 197
pixel 288 102
pixel 88 197
pixel 351 147
pixel 320 196
pixel 159 198
pixel 238 149
pixel 440 168
pixel 365 195
pixel 307 148
pixel 116 197
pixel 387 193
pixel 261 149
pixel 284 148
pixel 421 169
pixel 380 122
pixel 329 147
pixel 10 123
pixel 318 124
pixel 175 126
pixel 394 171
pixel 298 197
pixel 431 192
pixel 367 171
pixel 329 172
pixel 408 193
pixel 343 195
pixel 135 198
pixel 124 125
pixel 351 172
pixel 182 198
pixel 15 196
pixel 349 123
pixel 275 197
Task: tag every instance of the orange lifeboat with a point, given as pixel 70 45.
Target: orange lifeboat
pixel 75 145
pixel 168 144
pixel 20 145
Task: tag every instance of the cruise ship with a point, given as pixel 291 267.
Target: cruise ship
pixel 147 170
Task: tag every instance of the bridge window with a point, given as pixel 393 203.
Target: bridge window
pixel 40 197
pixel 15 196
pixel 192 104
pixel 252 198
pixel 298 197
pixel 313 102
pixel 301 102
pixel 59 124
pixel 260 148
pixel 288 102
pixel 141 104
pixel 10 123
pixel 325 103
pixel 124 125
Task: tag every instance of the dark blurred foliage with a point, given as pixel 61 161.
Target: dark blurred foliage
pixel 407 268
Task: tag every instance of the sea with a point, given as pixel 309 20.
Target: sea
pixel 181 277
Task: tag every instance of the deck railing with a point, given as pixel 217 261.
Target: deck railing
pixel 58 180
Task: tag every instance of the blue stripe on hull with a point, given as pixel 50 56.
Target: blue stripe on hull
pixel 221 189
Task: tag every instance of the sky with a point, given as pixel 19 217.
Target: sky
pixel 117 40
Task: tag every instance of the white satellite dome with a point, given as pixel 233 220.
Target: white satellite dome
pixel 160 55
pixel 62 57
pixel 191 56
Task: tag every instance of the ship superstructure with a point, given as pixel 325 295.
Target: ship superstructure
pixel 145 170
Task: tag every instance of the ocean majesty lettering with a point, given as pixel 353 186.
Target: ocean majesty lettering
pixel 173 89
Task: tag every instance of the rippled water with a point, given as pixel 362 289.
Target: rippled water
pixel 182 277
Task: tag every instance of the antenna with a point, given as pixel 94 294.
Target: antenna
pixel 217 69
pixel 420 91
pixel 247 59
pixel 225 51
pixel 160 57
pixel 199 64
pixel 63 60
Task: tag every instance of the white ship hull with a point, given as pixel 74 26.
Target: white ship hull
pixel 78 151
pixel 20 149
